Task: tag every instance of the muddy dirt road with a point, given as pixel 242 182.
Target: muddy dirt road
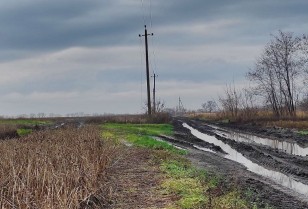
pixel 275 170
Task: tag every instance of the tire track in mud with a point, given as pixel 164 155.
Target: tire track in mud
pixel 268 159
pixel 267 190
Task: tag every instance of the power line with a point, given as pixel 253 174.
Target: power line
pixel 151 14
pixel 146 7
pixel 143 12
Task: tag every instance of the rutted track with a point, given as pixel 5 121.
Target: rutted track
pixel 268 190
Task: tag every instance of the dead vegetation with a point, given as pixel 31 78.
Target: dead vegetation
pixel 262 117
pixel 54 169
pixel 159 117
pixel 8 131
pixel 76 169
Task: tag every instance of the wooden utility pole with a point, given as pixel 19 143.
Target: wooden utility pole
pixel 154 91
pixel 180 104
pixel 147 66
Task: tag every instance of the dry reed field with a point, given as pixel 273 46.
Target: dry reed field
pixel 8 131
pixel 54 169
pixel 264 118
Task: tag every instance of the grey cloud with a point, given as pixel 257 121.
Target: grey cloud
pixel 111 81
pixel 50 25
pixel 259 18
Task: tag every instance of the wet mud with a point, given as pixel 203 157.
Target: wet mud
pixel 275 177
pixel 282 134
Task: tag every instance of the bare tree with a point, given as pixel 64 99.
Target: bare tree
pixel 304 48
pixel 32 115
pixel 304 45
pixel 276 73
pixel 267 84
pixel 159 106
pixel 231 101
pixel 304 103
pixel 41 115
pixel 248 103
pixel 209 106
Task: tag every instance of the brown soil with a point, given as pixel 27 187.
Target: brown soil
pixel 133 181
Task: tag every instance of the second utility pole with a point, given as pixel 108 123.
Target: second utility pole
pixel 147 66
pixel 154 91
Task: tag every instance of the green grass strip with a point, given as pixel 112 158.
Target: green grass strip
pixel 185 181
pixel 24 131
pixel 141 129
pixel 141 135
pixel 303 132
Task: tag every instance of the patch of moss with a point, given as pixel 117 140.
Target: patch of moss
pixel 185 181
pixel 303 132
pixel 24 131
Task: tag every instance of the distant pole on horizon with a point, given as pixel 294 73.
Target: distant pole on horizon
pixel 180 104
pixel 147 66
pixel 181 107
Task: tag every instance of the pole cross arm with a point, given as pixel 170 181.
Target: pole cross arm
pixel 146 34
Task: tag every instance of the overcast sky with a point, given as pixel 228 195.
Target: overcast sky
pixel 85 55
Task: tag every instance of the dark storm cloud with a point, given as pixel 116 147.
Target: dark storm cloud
pixel 187 11
pixel 48 25
pixel 45 25
pixel 258 18
pixel 181 10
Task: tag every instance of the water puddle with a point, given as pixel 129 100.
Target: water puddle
pixel 162 140
pixel 233 155
pixel 203 149
pixel 287 147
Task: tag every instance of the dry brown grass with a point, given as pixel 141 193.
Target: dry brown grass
pixel 204 115
pixel 300 122
pixel 8 131
pixel 154 118
pixel 300 125
pixel 53 169
pixel 263 117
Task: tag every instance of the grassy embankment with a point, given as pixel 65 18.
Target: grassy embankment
pixel 192 188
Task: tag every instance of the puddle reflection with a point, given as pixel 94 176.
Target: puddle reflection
pixel 287 147
pixel 233 155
